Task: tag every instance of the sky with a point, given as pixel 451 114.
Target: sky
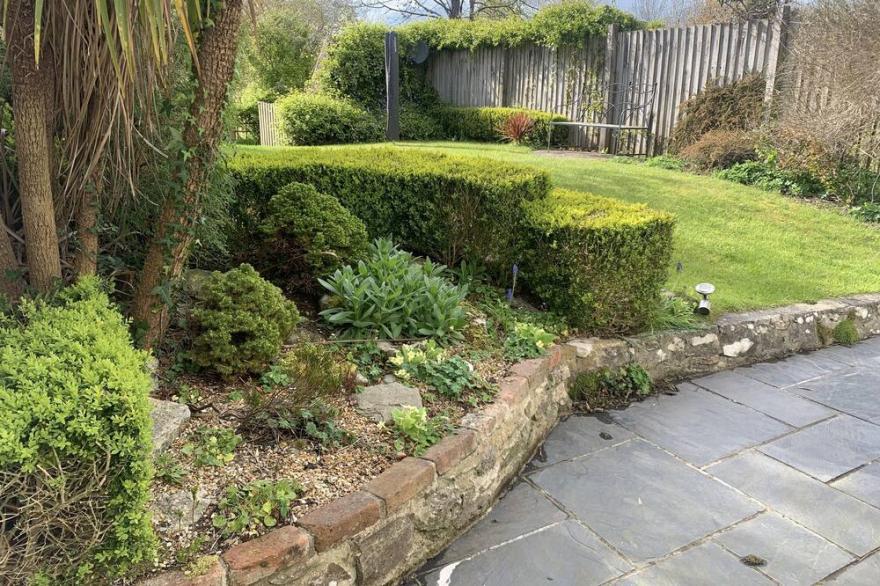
pixel 390 18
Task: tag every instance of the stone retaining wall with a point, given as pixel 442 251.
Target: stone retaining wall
pixel 415 508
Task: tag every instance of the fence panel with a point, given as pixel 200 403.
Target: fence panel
pixel 650 73
pixel 268 129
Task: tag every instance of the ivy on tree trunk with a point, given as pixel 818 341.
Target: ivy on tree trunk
pixel 172 236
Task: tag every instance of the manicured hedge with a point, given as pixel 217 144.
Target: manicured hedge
pixel 74 442
pixel 430 203
pixel 482 124
pixel 596 260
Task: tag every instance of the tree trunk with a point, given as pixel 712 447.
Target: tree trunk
pixel 86 260
pixel 32 132
pixel 216 61
pixel 10 284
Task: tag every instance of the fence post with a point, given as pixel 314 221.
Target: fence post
pixel 392 87
pixel 776 57
pixel 606 136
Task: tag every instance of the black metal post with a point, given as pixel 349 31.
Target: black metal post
pixel 392 87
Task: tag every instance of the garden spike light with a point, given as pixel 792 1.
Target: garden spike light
pixel 704 289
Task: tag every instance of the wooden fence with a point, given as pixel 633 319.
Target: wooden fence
pixel 626 78
pixel 268 127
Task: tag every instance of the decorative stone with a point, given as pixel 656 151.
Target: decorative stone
pixel 386 347
pixel 342 518
pixel 168 419
pixel 378 401
pixel 259 558
pixel 180 509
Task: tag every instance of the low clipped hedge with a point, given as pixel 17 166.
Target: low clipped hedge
pixel 435 204
pixel 599 261
pixel 74 443
pixel 482 124
pixel 315 119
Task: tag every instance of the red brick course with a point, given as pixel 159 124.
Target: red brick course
pixel 342 518
pixel 401 482
pixel 259 558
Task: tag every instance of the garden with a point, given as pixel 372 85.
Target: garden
pixel 202 339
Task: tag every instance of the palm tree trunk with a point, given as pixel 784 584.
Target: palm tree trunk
pixel 216 61
pixel 86 260
pixel 33 144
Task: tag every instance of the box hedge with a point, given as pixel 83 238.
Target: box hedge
pixel 599 261
pixel 596 260
pixel 74 443
pixel 482 124
pixel 443 206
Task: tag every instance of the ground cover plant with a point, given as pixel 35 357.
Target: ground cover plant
pixel 760 249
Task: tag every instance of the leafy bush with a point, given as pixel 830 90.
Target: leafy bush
pixel 391 295
pixel 614 286
pixel 213 446
pixel 736 106
pixel 308 234
pixel 311 119
pixel 527 341
pixel 450 376
pixel 867 212
pixel 846 333
pixel 74 442
pixel 415 432
pixel 354 68
pixel 488 124
pixel 291 398
pixel 240 322
pixel 434 204
pixel 720 149
pixel 675 313
pixel 260 504
pixel 607 388
pixel 417 124
pixel 766 175
pixel 668 162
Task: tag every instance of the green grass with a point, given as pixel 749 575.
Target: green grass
pixel 760 249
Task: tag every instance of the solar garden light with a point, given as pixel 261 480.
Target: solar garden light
pixel 704 289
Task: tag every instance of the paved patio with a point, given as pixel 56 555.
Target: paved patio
pixel 780 461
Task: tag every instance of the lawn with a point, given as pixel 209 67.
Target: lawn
pixel 760 249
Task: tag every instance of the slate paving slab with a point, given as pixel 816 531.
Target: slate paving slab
pixel 643 501
pixel 699 426
pixel 836 516
pixel 565 554
pixel 785 373
pixel 794 555
pixel 579 436
pixel 829 448
pixel 864 484
pixel 864 573
pixel 856 393
pixel 698 566
pixel 523 510
pixel 779 404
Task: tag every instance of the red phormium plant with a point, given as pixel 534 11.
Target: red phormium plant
pixel 516 127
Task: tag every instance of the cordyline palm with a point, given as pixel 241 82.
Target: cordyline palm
pixel 82 70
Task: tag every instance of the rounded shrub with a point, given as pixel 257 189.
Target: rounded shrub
pixel 308 234
pixel 720 149
pixel 314 119
pixel 736 106
pixel 598 261
pixel 240 322
pixel 74 443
